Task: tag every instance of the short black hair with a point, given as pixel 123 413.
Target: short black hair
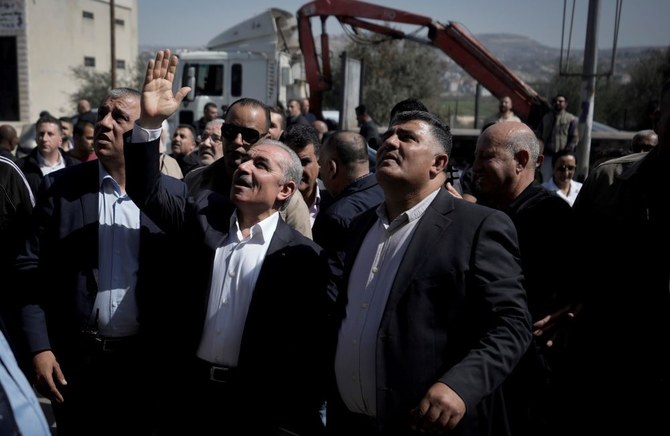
pixel 299 136
pixel 408 104
pixel 438 128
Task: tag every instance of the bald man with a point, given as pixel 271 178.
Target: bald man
pixel 644 141
pixel 8 142
pixel 345 173
pixel 504 172
pixel 320 127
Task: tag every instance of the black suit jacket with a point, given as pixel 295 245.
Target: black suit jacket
pixel 284 347
pixel 59 263
pixel 456 313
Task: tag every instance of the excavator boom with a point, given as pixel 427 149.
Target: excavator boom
pixel 453 39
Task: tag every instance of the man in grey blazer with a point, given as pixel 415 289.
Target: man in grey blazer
pixel 434 313
pixel 249 351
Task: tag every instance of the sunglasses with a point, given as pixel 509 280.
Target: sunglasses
pixel 230 132
pixel 566 167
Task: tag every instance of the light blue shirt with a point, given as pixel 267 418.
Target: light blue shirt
pixel 115 309
pixel 22 399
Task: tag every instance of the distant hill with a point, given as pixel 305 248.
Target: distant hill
pixel 532 61
pixel 537 63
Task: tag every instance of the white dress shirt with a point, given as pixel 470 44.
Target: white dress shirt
pixel 575 187
pixel 237 264
pixel 372 277
pixel 47 167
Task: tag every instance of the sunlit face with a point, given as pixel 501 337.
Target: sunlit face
pixel 494 167
pixel 210 146
pixel 84 142
pixel 310 169
pixel 183 141
pixel 407 154
pixel 276 125
pixel 115 117
pixel 66 129
pixel 49 138
pixel 258 182
pixel 235 149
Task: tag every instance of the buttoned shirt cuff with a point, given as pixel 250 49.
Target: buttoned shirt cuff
pixel 141 135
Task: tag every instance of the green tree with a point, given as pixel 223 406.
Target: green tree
pixel 398 69
pixel 640 95
pixel 94 85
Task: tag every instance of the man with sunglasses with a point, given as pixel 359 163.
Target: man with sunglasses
pixel 249 355
pixel 247 121
pixel 504 173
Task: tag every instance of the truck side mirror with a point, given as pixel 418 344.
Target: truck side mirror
pixel 190 76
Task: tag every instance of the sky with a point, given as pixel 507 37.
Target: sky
pixel 193 23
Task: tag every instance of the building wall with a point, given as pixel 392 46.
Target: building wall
pixel 53 36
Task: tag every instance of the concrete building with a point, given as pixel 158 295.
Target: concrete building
pixel 42 40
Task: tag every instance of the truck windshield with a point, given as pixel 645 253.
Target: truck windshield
pixel 208 78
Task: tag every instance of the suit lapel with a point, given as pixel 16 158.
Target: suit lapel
pixel 427 239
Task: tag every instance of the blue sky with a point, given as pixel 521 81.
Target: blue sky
pixel 176 23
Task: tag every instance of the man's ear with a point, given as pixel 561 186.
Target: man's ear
pixel 285 192
pixel 440 162
pixel 332 167
pixel 522 157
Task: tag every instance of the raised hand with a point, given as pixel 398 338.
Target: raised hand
pixel 158 101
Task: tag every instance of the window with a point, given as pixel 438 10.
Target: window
pixel 208 78
pixel 119 22
pixel 236 80
pixel 9 78
pixel 120 64
pixel 89 61
pixel 87 14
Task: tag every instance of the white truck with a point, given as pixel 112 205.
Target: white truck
pixel 258 58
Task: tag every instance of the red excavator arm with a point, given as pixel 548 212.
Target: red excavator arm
pixel 453 39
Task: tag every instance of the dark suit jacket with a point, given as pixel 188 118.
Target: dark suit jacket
pixel 456 313
pixel 284 350
pixel 331 227
pixel 59 263
pixel 31 168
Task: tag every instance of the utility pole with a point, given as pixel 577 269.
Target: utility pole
pixel 588 89
pixel 112 30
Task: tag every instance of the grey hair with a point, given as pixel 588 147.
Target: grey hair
pixel 523 139
pixel 291 168
pixel 215 122
pixel 118 93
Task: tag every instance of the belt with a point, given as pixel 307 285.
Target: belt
pixel 216 373
pixel 93 343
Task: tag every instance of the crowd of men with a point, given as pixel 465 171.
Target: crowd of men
pixel 308 295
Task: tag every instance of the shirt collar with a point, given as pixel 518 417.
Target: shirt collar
pixel 407 216
pixel 104 175
pixel 260 232
pixel 43 162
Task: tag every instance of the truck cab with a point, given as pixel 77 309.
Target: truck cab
pixel 258 58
